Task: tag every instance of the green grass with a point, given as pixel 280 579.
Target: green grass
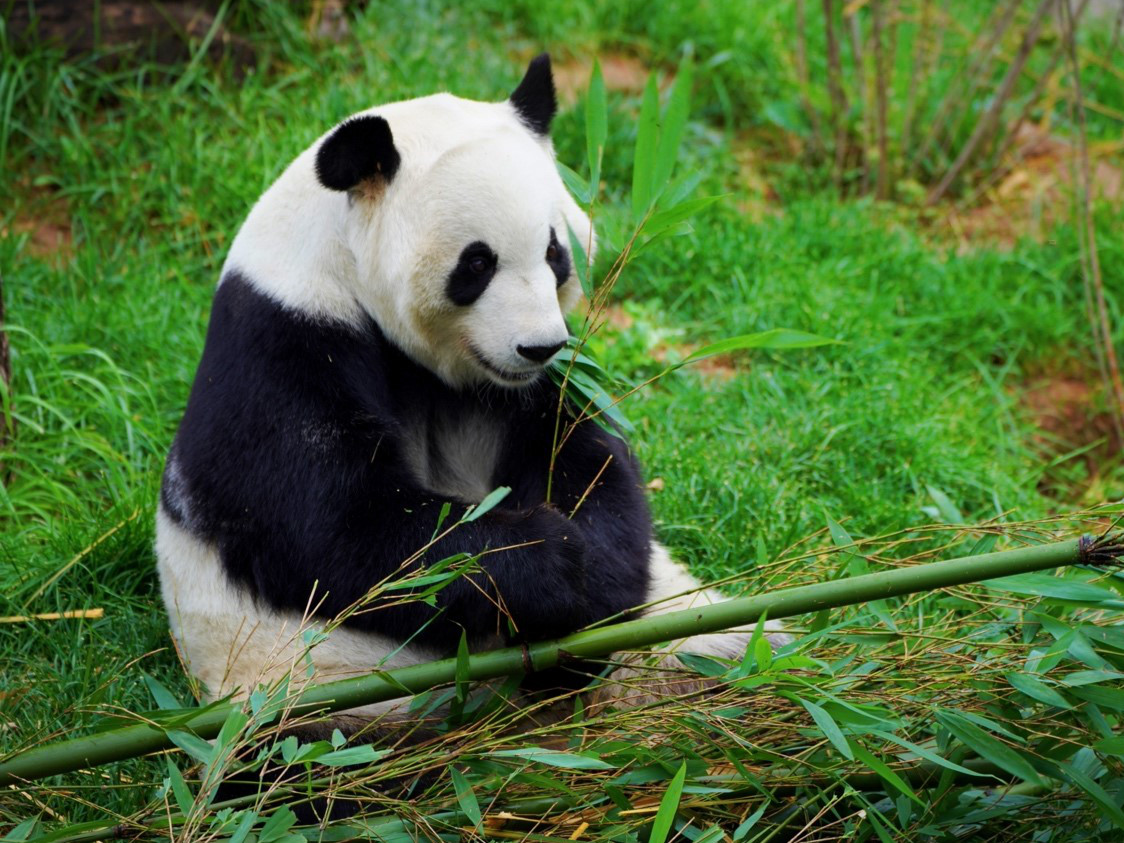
pixel 153 170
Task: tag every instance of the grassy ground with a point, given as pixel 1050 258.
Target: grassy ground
pixel 121 191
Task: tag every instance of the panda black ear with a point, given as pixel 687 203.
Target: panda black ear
pixel 359 149
pixel 534 99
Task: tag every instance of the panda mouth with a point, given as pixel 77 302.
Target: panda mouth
pixel 502 374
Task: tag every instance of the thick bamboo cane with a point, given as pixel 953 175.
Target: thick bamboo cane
pixel 132 741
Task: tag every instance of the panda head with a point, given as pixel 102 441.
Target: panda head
pixel 458 224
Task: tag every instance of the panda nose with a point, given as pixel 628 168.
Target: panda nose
pixel 538 353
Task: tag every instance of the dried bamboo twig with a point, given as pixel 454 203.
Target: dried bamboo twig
pixel 89 614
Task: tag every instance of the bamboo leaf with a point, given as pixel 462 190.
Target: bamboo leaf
pixel 1108 804
pixel 575 184
pixel 1036 689
pixel 988 723
pixel 677 213
pixel 552 758
pixel 446 508
pixel 1111 746
pixel 883 770
pixel 674 123
pixel 702 665
pixel 466 797
pixel 748 823
pixel 596 126
pixel 1110 698
pixel 21 832
pixel 487 505
pixel 669 804
pixel 242 830
pixel 829 727
pixel 192 744
pixel 278 825
pixel 1058 588
pixel 1091 677
pixel 581 262
pixel 164 699
pixel 644 160
pixel 945 506
pixel 364 754
pixel 180 790
pixel 231 728
pixel 928 754
pixel 988 747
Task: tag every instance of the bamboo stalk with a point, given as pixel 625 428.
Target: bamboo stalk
pixel 132 741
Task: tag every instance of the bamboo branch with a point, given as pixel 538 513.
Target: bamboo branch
pixel 141 739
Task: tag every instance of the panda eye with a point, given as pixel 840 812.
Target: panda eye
pixel 552 253
pixel 478 265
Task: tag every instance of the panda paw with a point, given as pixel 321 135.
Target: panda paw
pixel 551 582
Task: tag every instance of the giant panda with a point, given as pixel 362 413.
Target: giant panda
pixel 376 349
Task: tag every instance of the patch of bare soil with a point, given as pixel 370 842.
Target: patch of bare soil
pixel 123 31
pixel 720 367
pixel 621 72
pixel 1036 193
pixel 45 218
pixel 1070 408
pixel 752 150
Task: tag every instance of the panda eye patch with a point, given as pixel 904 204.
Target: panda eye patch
pixel 475 269
pixel 558 259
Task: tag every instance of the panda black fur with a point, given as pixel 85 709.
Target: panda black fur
pixel 376 349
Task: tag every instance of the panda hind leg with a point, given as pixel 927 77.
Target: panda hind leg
pixel 649 676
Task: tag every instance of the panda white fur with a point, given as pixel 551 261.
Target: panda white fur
pixel 376 348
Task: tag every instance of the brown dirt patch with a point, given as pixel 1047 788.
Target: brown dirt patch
pixel 722 367
pixel 752 150
pixel 44 217
pixel 1035 193
pixel 621 72
pixel 1070 408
